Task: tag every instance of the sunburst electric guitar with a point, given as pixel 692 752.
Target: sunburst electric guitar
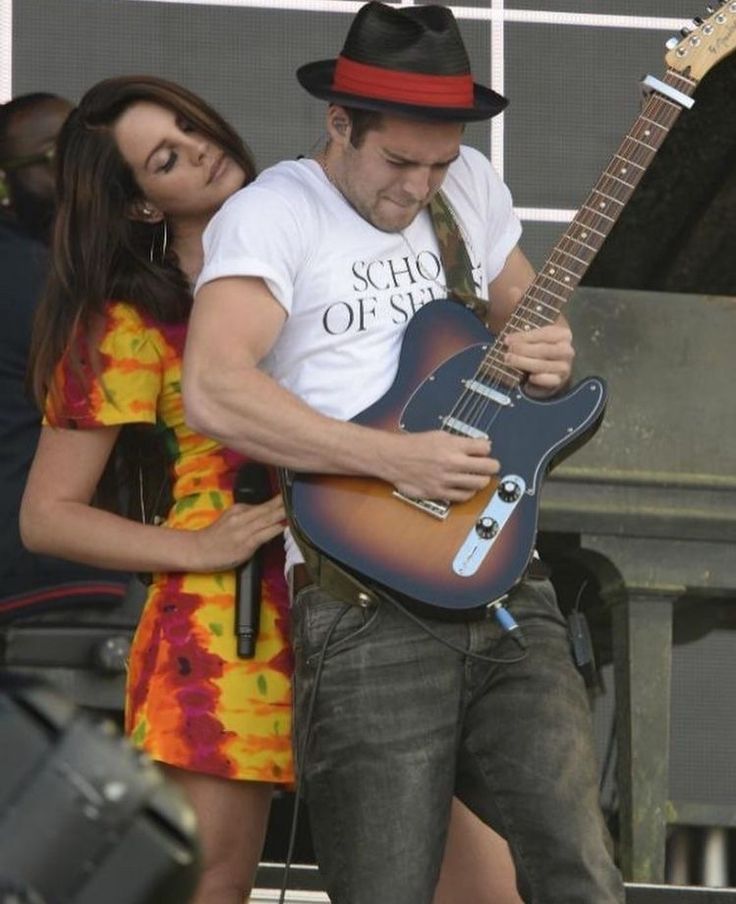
pixel 451 376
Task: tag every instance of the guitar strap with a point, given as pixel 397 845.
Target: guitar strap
pixel 455 257
pixel 325 572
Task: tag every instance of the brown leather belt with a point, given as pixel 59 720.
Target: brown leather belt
pixel 299 579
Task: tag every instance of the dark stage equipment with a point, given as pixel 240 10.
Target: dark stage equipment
pixel 667 894
pixel 84 818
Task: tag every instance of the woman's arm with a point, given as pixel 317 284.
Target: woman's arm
pixel 57 518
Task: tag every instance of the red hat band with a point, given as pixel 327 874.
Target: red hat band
pixel 377 83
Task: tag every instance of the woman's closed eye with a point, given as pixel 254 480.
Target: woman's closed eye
pixel 168 164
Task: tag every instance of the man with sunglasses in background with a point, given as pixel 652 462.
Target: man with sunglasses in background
pixel 29 125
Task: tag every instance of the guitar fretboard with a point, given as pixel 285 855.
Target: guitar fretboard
pixel 573 254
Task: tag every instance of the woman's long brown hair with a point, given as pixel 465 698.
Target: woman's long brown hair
pixel 98 252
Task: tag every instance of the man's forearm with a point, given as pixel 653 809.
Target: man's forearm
pixel 253 414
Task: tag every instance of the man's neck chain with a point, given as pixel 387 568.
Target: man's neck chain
pixel 321 159
pixel 441 286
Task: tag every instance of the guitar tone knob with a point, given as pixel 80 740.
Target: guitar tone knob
pixel 486 527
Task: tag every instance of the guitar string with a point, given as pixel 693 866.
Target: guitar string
pixel 471 408
pixel 632 150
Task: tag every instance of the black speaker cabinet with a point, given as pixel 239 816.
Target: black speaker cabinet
pixel 669 894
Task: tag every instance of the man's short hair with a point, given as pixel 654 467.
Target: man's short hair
pixel 362 122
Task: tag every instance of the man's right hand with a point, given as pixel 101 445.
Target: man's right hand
pixel 437 465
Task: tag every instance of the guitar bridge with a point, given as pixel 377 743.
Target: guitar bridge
pixel 437 508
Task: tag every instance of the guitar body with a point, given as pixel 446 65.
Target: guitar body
pixel 470 553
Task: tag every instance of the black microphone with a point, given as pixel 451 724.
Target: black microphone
pixel 253 487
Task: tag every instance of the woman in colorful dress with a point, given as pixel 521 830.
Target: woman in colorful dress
pixel 142 166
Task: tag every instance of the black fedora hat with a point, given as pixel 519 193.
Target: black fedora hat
pixel 410 61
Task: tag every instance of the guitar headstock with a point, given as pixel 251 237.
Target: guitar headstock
pixel 706 44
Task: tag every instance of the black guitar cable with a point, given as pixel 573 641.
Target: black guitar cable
pixel 425 627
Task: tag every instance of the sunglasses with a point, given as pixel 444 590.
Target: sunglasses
pixel 16 163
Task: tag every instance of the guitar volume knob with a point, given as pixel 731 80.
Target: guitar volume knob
pixel 509 490
pixel 486 527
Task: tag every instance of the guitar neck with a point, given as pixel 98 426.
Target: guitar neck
pixel 574 252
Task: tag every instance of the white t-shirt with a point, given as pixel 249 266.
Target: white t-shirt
pixel 348 288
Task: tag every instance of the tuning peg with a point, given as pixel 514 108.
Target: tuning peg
pixel 685 31
pixel 710 9
pixel 697 21
pixel 671 43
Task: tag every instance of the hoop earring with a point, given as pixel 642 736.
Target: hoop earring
pixel 164 243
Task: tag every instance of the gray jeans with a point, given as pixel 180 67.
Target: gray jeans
pixel 401 723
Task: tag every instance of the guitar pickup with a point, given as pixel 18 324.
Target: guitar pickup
pixel 487 392
pixel 458 426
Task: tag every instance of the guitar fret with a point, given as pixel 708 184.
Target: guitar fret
pixel 607 197
pixel 620 181
pixel 585 226
pixel 582 244
pixel 632 162
pixel 643 143
pixel 554 295
pixel 538 315
pixel 580 239
pixel 588 227
pixel 670 103
pixel 550 273
pixel 519 317
pixel 556 265
pixel 535 287
pixel 598 213
pixel 539 309
pixel 633 146
pixel 640 156
pixel 578 259
pixel 544 302
pixel 653 122
pixel 496 370
pixel 518 325
pixel 565 285
pixel 603 202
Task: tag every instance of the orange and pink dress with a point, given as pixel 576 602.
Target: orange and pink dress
pixel 190 701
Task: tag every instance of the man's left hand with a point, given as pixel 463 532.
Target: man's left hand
pixel 545 354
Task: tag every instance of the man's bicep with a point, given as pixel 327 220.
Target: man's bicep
pixel 234 319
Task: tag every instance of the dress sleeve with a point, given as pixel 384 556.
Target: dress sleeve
pixel 112 375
